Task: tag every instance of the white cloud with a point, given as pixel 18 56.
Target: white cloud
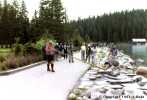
pixel 32 5
pixel 85 8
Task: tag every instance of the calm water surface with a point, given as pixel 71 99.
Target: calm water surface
pixel 135 51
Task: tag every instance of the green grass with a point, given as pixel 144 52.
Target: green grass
pixel 4 51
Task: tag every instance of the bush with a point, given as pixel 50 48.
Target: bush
pixel 3 66
pixel 40 44
pixel 42 41
pixel 2 59
pixel 12 62
pixel 22 61
pixel 23 55
pixel 29 48
pixel 18 49
pixel 33 58
pixel 76 38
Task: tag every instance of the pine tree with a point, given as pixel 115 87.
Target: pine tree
pixel 4 23
pixel 35 28
pixel 23 23
pixel 45 16
pixel 57 11
pixel 1 9
pixel 51 17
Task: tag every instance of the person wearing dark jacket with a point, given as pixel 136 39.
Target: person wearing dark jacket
pixel 65 51
pixel 70 53
pixel 57 52
pixel 88 53
pixel 44 52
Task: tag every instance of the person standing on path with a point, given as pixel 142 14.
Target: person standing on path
pixel 57 51
pixel 83 52
pixel 70 53
pixel 50 52
pixel 65 51
pixel 88 53
pixel 94 52
pixel 44 52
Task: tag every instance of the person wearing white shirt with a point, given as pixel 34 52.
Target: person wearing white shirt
pixel 83 52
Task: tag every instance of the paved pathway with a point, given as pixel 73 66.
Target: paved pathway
pixel 38 84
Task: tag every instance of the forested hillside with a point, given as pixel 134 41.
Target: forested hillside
pixel 51 19
pixel 15 23
pixel 114 27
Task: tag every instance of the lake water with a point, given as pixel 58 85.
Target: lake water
pixel 135 51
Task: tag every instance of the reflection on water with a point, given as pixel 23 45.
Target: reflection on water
pixel 135 51
pixel 139 50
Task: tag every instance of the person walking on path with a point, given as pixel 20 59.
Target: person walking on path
pixel 57 51
pixel 83 52
pixel 94 51
pixel 65 51
pixel 61 49
pixel 44 52
pixel 88 53
pixel 50 52
pixel 70 53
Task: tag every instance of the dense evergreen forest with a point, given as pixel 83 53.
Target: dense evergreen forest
pixel 115 27
pixel 15 23
pixel 51 19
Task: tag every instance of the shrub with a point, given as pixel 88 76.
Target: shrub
pixel 22 61
pixel 29 59
pixel 42 41
pixel 77 39
pixel 3 66
pixel 18 49
pixel 11 62
pixel 29 48
pixel 35 58
pixel 2 59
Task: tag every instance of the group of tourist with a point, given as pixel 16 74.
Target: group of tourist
pixel 51 53
pixel 88 53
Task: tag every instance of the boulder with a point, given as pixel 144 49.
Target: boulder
pixel 92 77
pixel 115 63
pixel 77 91
pixel 72 96
pixel 142 71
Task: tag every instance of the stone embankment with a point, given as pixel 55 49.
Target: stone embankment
pixel 116 82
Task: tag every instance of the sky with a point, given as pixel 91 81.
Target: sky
pixel 86 8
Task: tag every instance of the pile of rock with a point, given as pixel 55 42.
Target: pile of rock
pixel 116 82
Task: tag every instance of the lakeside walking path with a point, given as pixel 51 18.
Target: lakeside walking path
pixel 38 84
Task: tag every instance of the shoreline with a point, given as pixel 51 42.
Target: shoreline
pixel 92 75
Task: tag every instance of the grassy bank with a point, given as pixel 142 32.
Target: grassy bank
pixel 4 51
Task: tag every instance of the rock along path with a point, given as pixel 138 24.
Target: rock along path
pixel 38 84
